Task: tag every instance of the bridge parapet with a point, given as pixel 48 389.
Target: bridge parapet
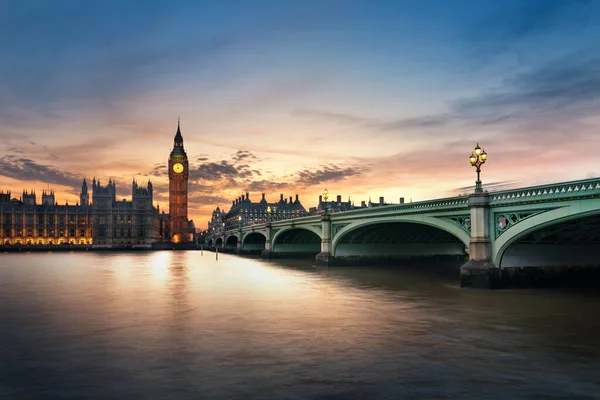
pixel 546 193
pixel 460 202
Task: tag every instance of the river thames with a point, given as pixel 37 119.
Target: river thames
pixel 181 325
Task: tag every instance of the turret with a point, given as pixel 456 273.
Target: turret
pixel 84 197
pixel 48 198
pixel 28 198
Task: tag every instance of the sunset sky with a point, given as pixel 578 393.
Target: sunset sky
pixel 365 98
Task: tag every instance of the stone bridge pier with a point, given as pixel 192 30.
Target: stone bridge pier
pixel 325 257
pixel 480 271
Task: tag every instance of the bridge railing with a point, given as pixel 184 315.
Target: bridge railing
pixel 417 206
pixel 461 202
pixel 550 192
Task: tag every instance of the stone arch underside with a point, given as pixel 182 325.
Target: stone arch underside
pixel 210 243
pixel 254 241
pixel 569 241
pixel 396 239
pixel 218 242
pixel 231 242
pixel 297 241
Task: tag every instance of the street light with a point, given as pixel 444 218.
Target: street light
pixel 325 197
pixel 477 159
pixel 269 214
pixel 240 221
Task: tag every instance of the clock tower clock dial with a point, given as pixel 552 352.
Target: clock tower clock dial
pixel 178 191
pixel 178 168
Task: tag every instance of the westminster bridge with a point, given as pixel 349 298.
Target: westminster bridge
pixel 553 227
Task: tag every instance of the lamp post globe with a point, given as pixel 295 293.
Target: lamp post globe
pixel 477 159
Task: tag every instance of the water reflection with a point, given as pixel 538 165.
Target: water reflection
pixel 179 325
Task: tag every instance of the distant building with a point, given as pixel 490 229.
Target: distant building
pixel 216 226
pixel 244 212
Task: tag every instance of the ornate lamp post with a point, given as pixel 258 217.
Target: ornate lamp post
pixel 477 159
pixel 325 197
pixel 269 214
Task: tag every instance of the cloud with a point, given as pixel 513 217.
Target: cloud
pixel 554 100
pixel 265 186
pixel 159 170
pixel 326 173
pixel 25 169
pixel 376 124
pixel 430 121
pixel 243 155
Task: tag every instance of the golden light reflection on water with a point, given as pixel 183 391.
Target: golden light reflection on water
pixel 159 263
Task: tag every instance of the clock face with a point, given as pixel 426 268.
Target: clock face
pixel 178 168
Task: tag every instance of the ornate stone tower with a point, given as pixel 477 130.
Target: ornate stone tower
pixel 178 190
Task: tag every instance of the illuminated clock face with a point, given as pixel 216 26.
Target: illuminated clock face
pixel 178 168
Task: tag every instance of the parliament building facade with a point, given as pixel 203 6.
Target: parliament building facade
pixel 102 221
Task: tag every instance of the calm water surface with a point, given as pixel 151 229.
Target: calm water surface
pixel 178 325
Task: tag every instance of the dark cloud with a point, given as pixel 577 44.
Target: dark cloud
pixel 158 170
pixel 25 169
pixel 327 173
pixel 243 155
pixel 231 170
pixel 265 186
pixel 215 171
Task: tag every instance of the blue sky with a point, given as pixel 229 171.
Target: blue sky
pixel 366 98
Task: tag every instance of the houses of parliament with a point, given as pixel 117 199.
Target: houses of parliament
pixel 102 221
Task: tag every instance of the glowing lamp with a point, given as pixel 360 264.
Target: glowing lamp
pixel 473 159
pixel 477 150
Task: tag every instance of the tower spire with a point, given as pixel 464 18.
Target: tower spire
pixel 178 137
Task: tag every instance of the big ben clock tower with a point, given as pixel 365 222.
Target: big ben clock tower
pixel 178 190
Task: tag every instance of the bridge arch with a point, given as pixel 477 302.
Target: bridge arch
pixel 297 240
pixel 510 248
pixel 219 242
pixel 445 230
pixel 210 243
pixel 254 241
pixel 231 242
pixel 312 229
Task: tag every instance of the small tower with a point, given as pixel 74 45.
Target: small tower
pixel 4 196
pixel 29 198
pixel 48 198
pixel 103 197
pixel 84 197
pixel 141 197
